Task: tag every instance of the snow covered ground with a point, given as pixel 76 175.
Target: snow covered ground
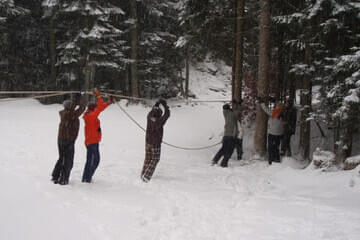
pixel 187 199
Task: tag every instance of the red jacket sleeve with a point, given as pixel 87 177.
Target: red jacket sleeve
pixel 100 106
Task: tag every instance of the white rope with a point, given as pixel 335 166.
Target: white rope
pixel 34 97
pixel 148 99
pixel 59 93
pixel 91 93
pixel 35 92
pixel 164 142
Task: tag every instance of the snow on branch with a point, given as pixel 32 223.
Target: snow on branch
pixel 302 69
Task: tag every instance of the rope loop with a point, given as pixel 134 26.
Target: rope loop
pixel 59 93
pixel 164 142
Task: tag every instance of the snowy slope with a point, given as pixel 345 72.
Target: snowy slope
pixel 187 199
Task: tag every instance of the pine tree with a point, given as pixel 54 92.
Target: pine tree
pixel 158 59
pixel 89 42
pixel 22 52
pixel 239 51
pixel 134 46
pixel 320 35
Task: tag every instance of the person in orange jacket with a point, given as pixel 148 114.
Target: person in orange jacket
pixel 93 135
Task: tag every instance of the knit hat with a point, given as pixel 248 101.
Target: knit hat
pixel 68 104
pixel 156 112
pixel 226 107
pixel 91 105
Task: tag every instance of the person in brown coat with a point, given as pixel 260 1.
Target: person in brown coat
pixel 154 134
pixel 68 132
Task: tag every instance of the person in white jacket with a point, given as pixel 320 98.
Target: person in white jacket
pixel 275 131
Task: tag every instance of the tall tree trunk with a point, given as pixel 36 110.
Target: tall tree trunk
pixel 281 86
pixel 187 70
pixel 87 74
pixel 263 73
pixel 239 50
pixel 52 46
pixel 233 67
pixel 134 41
pixel 305 101
pixel 346 129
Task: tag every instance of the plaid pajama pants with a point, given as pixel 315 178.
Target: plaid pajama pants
pixel 152 157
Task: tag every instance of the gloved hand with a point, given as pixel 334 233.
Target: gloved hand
pixel 157 104
pixel 226 106
pixel 112 99
pixel 77 98
pixel 96 93
pixel 83 100
pixel 259 100
pixel 272 99
pixel 163 102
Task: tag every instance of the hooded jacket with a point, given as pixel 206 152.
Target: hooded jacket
pixel 155 125
pixel 275 124
pixel 92 123
pixel 69 122
pixel 231 117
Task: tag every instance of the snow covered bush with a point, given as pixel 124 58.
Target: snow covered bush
pixel 352 162
pixel 324 160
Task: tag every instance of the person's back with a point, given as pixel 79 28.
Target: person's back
pixel 92 128
pixel 69 123
pixel 92 123
pixel 153 138
pixel 231 118
pixel 231 132
pixel 275 122
pixel 93 136
pixel 155 125
pixel 275 130
pixel 67 134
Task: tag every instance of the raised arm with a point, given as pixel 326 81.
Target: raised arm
pixel 226 111
pixel 237 110
pixel 100 106
pixel 165 116
pixel 82 107
pixel 266 109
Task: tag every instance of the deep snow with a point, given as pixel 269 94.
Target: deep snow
pixel 187 199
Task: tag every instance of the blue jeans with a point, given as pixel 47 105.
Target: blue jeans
pixel 92 162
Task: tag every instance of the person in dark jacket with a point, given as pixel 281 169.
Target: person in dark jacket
pixel 230 134
pixel 68 132
pixel 154 134
pixel 290 117
pixel 93 135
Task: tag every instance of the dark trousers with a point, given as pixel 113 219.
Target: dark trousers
pixel 63 166
pixel 273 148
pixel 152 157
pixel 239 147
pixel 285 144
pixel 225 151
pixel 92 162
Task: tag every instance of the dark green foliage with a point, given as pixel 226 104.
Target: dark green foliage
pixel 159 62
pixel 321 39
pixel 23 52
